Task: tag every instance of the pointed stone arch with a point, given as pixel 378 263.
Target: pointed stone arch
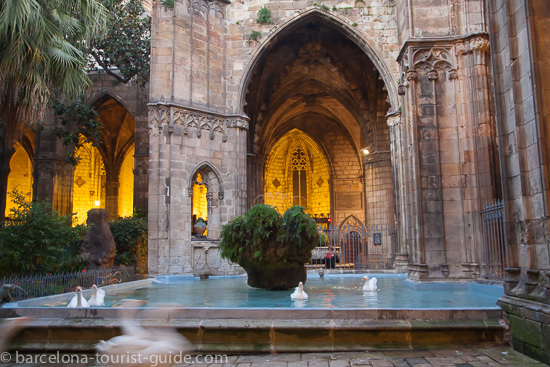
pixel 363 41
pixel 211 179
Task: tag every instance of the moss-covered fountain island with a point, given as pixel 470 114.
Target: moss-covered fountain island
pixel 273 250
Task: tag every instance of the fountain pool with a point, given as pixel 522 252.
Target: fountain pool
pixel 341 291
pixel 225 314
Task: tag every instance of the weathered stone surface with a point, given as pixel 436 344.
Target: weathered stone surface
pixel 98 248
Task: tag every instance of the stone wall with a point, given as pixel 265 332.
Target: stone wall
pixel 445 165
pixel 519 50
pixel 202 61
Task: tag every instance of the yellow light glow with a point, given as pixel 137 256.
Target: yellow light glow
pixel 365 151
pixel 279 175
pixel 97 203
pixel 20 177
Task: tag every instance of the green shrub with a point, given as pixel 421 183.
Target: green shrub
pixel 254 36
pixel 263 236
pixel 36 239
pixel 130 235
pixel 264 15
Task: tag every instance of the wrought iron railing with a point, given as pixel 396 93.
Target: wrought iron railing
pixel 495 255
pixel 20 287
pixel 369 247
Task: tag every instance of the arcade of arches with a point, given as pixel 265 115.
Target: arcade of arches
pixel 451 101
pixel 103 176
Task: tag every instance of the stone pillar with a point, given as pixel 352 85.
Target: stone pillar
pixel 53 175
pixel 449 142
pixel 141 161
pixel 185 141
pixel 141 178
pixel 111 197
pixel 398 151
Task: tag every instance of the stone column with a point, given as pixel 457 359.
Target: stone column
pixel 111 197
pixel 53 175
pixel 398 152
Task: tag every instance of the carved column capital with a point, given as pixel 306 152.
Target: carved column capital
pixel 453 74
pixel 412 75
pixel 393 120
pixel 480 44
pixel 401 89
pixel 433 75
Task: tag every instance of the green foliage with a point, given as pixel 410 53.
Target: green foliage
pixel 254 36
pixel 264 15
pixel 263 236
pixel 127 42
pixel 168 4
pixel 300 232
pixel 130 235
pixel 79 123
pixel 38 239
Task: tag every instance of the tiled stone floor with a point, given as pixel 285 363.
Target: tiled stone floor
pixel 475 357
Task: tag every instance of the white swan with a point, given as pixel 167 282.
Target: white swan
pixel 98 296
pixel 142 345
pixel 8 328
pixel 370 284
pixel 299 292
pixel 78 300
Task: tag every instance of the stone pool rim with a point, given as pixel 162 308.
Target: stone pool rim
pixel 252 330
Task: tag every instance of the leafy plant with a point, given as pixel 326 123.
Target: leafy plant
pixel 130 235
pixel 79 123
pixel 254 36
pixel 38 239
pixel 263 236
pixel 168 4
pixel 126 46
pixel 264 15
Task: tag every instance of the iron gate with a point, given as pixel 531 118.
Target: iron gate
pixel 355 246
pixel 495 255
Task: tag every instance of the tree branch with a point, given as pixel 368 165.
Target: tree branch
pixel 108 70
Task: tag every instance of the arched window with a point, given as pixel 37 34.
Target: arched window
pixel 206 192
pixel 199 216
pixel 299 176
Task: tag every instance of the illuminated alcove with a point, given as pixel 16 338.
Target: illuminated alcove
pixel 89 182
pixel 200 201
pixel 126 188
pixel 20 177
pixel 297 173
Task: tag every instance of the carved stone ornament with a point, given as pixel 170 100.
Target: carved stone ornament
pixel 401 89
pixel 412 75
pixel 393 120
pixel 221 195
pixel 430 59
pixel 453 74
pixel 480 44
pixel 192 120
pixel 433 75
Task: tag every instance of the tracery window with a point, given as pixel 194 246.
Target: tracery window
pixel 299 176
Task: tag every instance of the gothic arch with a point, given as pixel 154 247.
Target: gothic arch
pixel 214 197
pixel 352 221
pixel 212 174
pixel 97 100
pixel 361 40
